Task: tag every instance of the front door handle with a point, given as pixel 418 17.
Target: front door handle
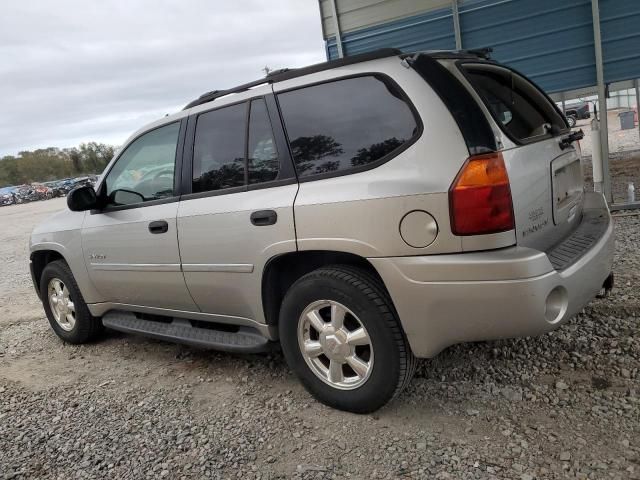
pixel 264 217
pixel 159 226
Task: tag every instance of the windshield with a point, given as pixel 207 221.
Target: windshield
pixel 520 108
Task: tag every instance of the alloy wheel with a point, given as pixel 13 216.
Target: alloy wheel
pixel 335 344
pixel 61 303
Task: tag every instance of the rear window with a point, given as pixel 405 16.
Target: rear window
pixel 520 108
pixel 345 124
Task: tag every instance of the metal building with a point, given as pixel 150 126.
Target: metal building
pixel 568 47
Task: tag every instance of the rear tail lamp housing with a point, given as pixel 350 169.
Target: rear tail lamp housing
pixel 480 197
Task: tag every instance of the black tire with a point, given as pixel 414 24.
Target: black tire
pixel 87 327
pixel 364 295
pixel 571 120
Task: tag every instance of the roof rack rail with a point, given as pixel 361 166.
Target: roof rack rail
pixel 483 53
pixel 287 74
pixel 273 73
pixel 210 96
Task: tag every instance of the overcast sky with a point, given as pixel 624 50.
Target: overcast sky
pixel 73 71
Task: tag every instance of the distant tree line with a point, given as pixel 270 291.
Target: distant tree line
pixel 54 163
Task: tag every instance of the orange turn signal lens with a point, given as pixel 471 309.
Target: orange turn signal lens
pixel 480 197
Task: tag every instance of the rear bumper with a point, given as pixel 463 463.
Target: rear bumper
pixel 512 292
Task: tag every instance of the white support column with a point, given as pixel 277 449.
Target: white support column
pixel 334 12
pixel 602 101
pixel 456 24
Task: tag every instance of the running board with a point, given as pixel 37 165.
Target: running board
pixel 180 330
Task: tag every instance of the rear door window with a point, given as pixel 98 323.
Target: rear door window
pixel 346 124
pixel 523 111
pixel 219 145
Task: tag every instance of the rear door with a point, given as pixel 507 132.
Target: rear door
pixel 239 213
pixel 546 180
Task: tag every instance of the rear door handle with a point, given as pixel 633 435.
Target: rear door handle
pixel 159 226
pixel 264 217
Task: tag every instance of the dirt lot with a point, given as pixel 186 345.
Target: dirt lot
pixel 565 405
pixel 619 140
pixel 625 168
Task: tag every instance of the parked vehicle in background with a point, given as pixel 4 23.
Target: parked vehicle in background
pixel 577 111
pixel 43 191
pixel 7 196
pixel 82 181
pixel 56 187
pixel 26 193
pixel 361 212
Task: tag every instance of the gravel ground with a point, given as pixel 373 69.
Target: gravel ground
pixel 564 405
pixel 624 168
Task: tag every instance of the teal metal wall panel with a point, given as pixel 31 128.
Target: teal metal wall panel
pixel 620 30
pixel 432 30
pixel 550 41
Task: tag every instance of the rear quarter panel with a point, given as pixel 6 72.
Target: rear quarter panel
pixel 360 213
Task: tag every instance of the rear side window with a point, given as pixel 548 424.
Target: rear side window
pixel 262 156
pixel 218 152
pixel 345 124
pixel 519 107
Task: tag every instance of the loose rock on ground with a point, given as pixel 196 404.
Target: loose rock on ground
pixel 564 405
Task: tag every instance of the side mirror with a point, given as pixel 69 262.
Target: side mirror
pixel 82 198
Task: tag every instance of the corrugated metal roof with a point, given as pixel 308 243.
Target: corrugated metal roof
pixel 620 29
pixel 427 31
pixel 357 14
pixel 550 41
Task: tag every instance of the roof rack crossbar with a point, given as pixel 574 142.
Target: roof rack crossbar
pixel 287 74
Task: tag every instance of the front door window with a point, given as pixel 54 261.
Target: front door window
pixel 145 170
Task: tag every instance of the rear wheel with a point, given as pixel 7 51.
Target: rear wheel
pixel 342 339
pixel 66 310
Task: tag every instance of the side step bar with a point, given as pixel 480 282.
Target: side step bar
pixel 179 330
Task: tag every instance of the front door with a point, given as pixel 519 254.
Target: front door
pixel 131 244
pixel 240 211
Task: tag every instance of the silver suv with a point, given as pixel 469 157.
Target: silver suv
pixel 361 212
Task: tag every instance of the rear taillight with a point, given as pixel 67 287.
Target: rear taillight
pixel 480 197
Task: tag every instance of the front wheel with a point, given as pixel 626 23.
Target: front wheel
pixel 66 310
pixel 571 120
pixel 341 337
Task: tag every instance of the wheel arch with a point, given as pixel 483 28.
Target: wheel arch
pixel 39 260
pixel 43 253
pixel 282 271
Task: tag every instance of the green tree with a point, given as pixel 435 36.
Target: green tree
pixel 52 163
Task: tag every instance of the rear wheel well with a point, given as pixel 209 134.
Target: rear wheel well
pixel 39 260
pixel 284 270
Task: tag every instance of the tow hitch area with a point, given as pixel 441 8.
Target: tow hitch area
pixel 607 286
